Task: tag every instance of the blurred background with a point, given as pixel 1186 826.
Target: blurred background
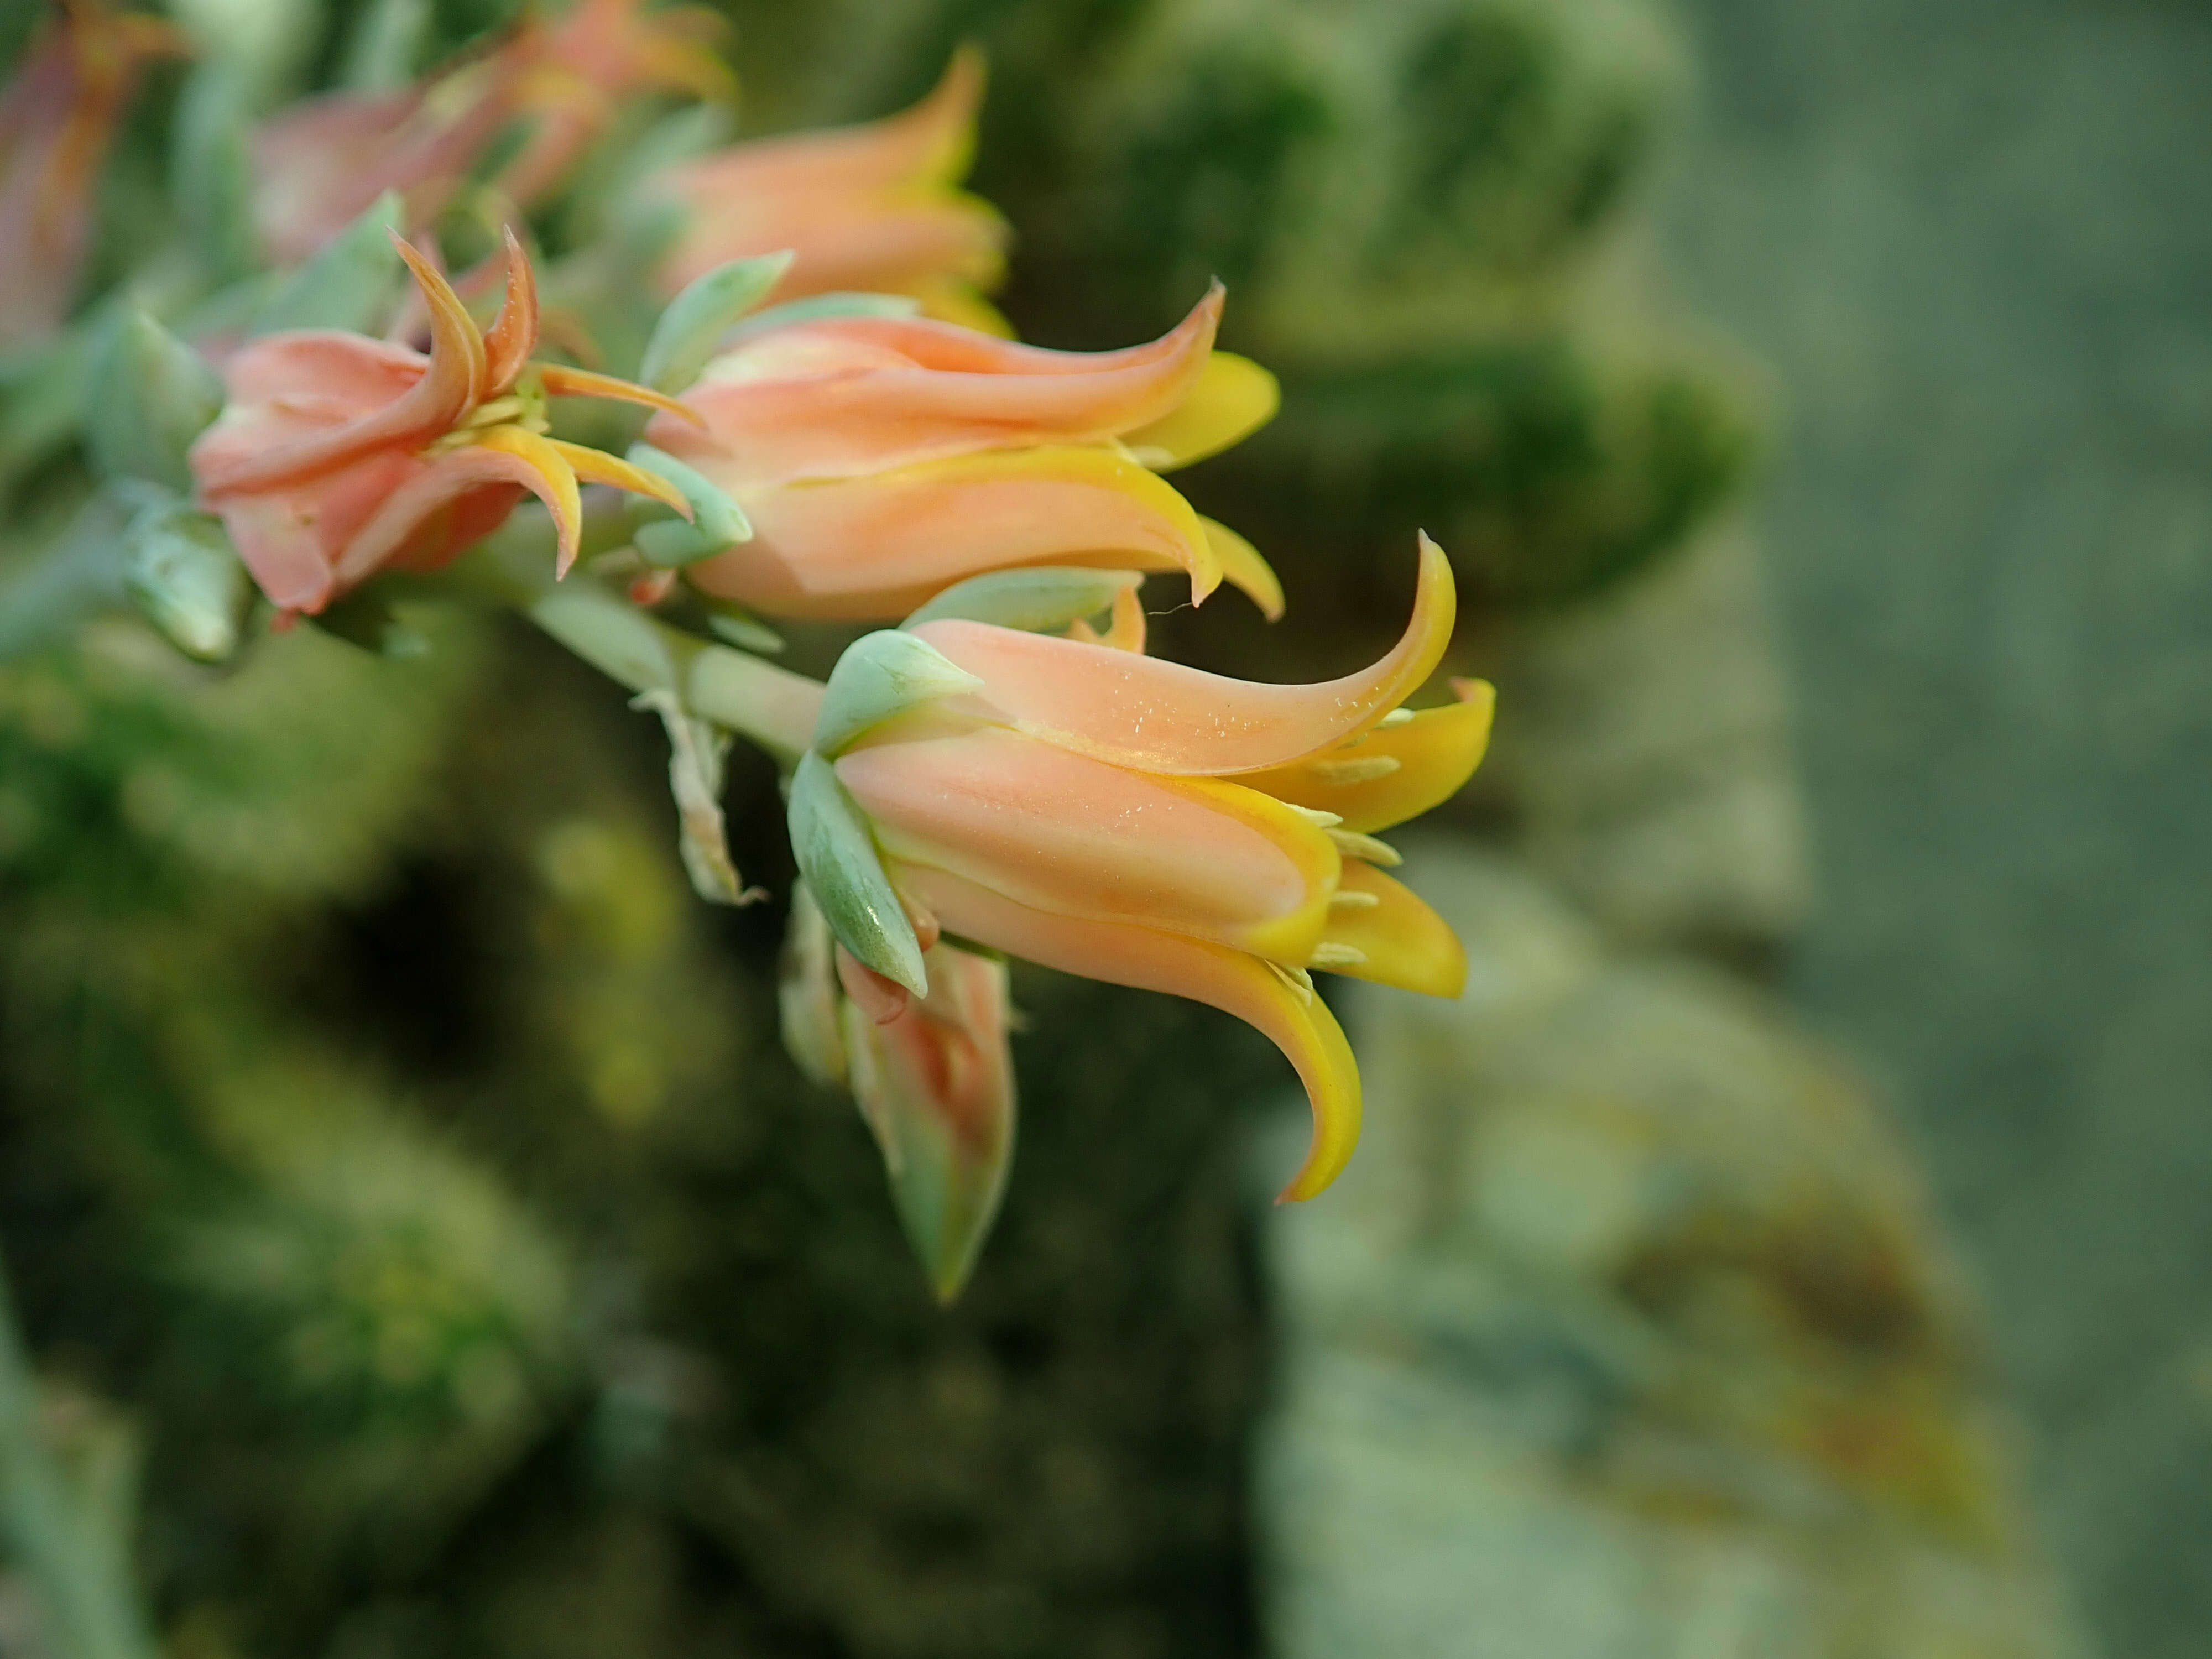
pixel 1797 1244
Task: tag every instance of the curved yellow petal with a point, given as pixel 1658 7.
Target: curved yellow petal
pixel 1243 569
pixel 1232 399
pixel 457 345
pixel 561 381
pixel 554 483
pixel 1395 774
pixel 514 333
pixel 597 466
pixel 1295 1020
pixel 1163 717
pixel 1400 941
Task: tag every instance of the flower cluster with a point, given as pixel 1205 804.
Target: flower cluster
pixel 836 428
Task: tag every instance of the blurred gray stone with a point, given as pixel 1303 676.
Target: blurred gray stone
pixel 1648 754
pixel 1970 241
pixel 1626 1333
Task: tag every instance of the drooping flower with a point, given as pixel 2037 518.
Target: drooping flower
pixel 320 163
pixel 875 207
pixel 57 115
pixel 1148 824
pixel 338 456
pixel 933 1078
pixel 577 68
pixel 881 458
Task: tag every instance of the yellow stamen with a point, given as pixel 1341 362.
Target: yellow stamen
pixel 1351 899
pixel 1299 982
pixel 1355 846
pixel 1358 769
pixel 1327 956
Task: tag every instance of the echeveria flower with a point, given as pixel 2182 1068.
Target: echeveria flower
pixel 577 68
pixel 875 207
pixel 1143 823
pixel 320 163
pixel 338 456
pixel 933 1077
pixel 57 113
pixel 880 460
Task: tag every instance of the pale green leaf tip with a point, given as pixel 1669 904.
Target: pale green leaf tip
pixel 836 855
pixel 880 675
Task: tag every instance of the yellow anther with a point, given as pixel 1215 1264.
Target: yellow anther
pixel 1299 981
pixel 1329 955
pixel 1354 846
pixel 1348 898
pixel 1359 769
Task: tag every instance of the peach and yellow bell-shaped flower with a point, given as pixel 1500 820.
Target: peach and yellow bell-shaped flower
pixel 57 113
pixel 880 460
pixel 875 207
pixel 1113 816
pixel 338 456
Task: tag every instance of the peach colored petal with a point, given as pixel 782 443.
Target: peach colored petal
pixel 876 547
pixel 1405 944
pixel 1163 717
pixel 1436 752
pixel 514 333
pixel 395 533
pixel 561 381
pixel 868 244
pixel 1230 979
pixel 1062 833
pixel 291 539
pixel 856 395
pixel 348 368
pixel 927 143
pixel 447 389
pixel 597 466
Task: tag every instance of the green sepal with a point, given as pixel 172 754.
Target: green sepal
pixel 347 284
pixel 1040 599
pixel 211 176
pixel 366 617
pixel 692 327
pixel 837 858
pixel 717 522
pixel 182 572
pixel 881 675
pixel 819 307
pixel 150 396
pixel 733 624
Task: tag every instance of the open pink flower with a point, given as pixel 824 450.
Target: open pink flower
pixel 1143 823
pixel 339 456
pixel 882 458
pixel 875 207
pixel 57 115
